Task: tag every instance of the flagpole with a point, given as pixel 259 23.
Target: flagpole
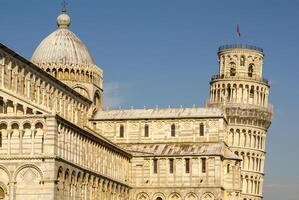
pixel 238 34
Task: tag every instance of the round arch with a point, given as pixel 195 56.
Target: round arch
pixel 26 124
pixel 97 99
pixel 208 196
pixel 3 191
pixel 191 196
pixel 159 196
pixel 28 166
pixel 6 171
pixel 81 90
pixel 142 196
pixel 174 196
pixel 14 125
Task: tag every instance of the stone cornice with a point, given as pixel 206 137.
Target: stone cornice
pixel 27 157
pixel 158 114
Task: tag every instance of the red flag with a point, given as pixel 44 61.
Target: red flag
pixel 238 31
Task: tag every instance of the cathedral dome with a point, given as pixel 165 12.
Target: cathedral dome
pixel 62 48
pixel 64 56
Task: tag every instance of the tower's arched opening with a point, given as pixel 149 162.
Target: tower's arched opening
pixel 97 100
pixel 250 70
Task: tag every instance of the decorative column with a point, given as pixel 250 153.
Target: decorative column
pixel 12 190
pixel 15 105
pixel 5 106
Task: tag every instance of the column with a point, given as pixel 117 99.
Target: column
pixel 12 190
pixel 4 106
pixel 15 105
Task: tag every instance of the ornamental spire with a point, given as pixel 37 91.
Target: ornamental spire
pixel 64 5
pixel 63 20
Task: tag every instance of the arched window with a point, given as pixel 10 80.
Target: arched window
pixel 3 127
pixel 73 76
pixel 60 73
pixel 228 168
pixel 201 129
pixel 146 130
pixel 155 166
pixel 96 100
pixel 250 70
pixel 203 165
pixel 43 142
pixel 121 131
pixel 242 61
pixel 171 165
pixel 54 72
pixel 1 106
pixel 251 95
pixel 232 70
pixel 173 130
pixel 187 165
pixel 159 198
pixel 228 92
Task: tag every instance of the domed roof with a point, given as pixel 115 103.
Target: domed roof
pixel 62 47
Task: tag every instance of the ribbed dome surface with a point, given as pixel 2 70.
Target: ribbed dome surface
pixel 62 47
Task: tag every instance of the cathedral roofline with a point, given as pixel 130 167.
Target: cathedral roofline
pixel 165 113
pixel 39 70
pixel 180 149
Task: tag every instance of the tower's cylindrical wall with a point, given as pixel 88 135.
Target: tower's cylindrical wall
pixel 241 90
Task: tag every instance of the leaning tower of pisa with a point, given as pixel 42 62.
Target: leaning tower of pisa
pixel 242 92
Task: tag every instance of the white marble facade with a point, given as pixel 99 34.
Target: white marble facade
pixel 57 142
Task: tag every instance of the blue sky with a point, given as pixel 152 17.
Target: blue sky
pixel 164 53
